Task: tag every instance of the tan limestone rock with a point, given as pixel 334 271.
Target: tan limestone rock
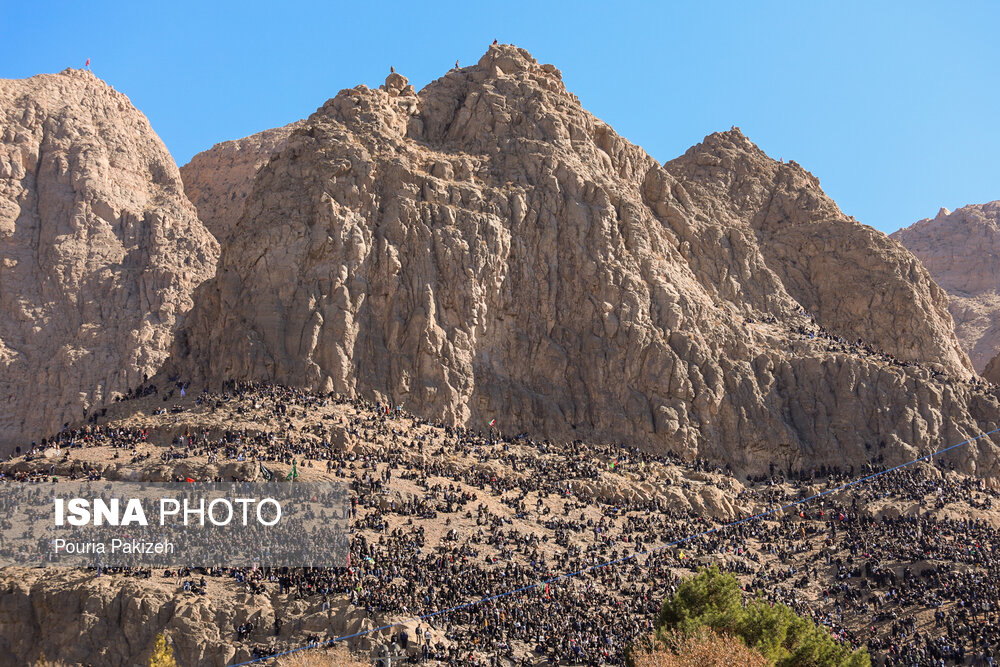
pixel 489 249
pixel 218 180
pixel 100 250
pixel 961 250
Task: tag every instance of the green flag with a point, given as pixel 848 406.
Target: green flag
pixel 294 474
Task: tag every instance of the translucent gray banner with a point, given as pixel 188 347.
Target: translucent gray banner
pixel 205 524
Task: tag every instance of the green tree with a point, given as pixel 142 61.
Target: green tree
pixel 712 599
pixel 163 655
pixel 708 599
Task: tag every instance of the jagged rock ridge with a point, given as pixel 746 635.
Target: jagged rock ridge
pixel 99 250
pixel 218 180
pixel 488 249
pixel 961 250
pixel 850 276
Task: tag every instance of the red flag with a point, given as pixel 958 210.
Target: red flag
pixel 88 63
pixel 188 479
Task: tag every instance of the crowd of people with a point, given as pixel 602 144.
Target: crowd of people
pixel 807 328
pixel 445 516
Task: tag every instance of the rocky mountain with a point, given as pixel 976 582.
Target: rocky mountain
pixel 218 180
pixel 486 249
pixel 99 250
pixel 854 280
pixel 961 250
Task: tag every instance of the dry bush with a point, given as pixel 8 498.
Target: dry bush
pixel 702 649
pixel 338 657
pixel 43 662
pixel 163 655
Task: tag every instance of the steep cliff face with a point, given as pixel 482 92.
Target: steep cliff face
pixel 488 249
pixel 217 181
pixel 961 250
pixel 99 250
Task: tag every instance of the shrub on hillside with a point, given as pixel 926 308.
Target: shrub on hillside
pixel 44 662
pixel 339 657
pixel 702 648
pixel 163 655
pixel 713 600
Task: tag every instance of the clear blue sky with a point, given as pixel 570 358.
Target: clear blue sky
pixel 893 105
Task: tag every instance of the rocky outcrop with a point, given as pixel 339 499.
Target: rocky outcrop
pixel 99 250
pixel 854 280
pixel 961 250
pixel 218 180
pixel 488 249
pixel 76 618
pixel 992 370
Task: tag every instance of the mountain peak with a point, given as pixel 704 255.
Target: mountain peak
pixel 468 251
pixel 506 59
pixel 733 138
pixel 97 243
pixel 80 73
